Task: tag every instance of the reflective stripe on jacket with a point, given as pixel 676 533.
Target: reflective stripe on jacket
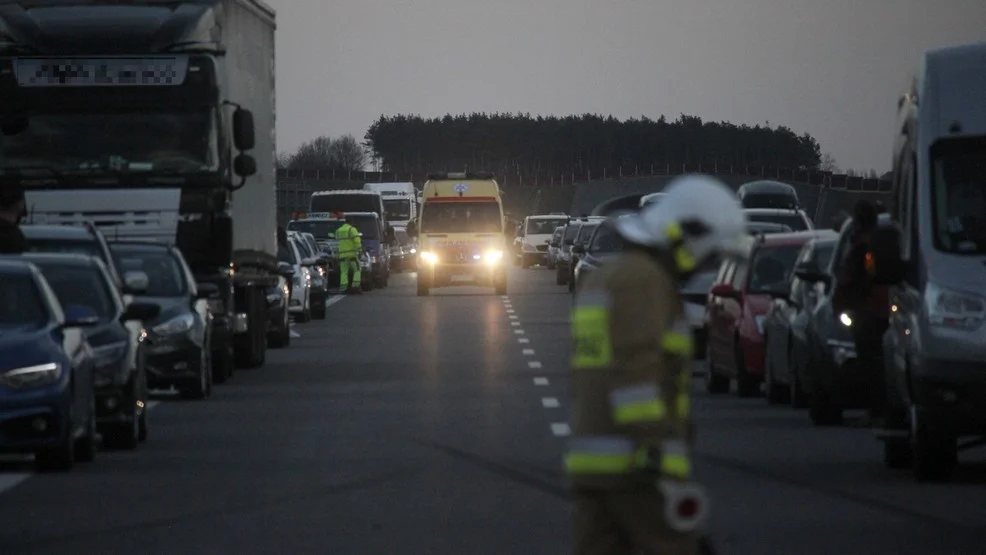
pixel 631 377
pixel 350 243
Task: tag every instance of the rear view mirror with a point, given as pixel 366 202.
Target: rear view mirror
pixel 78 316
pixel 141 311
pixel 207 291
pixel 309 261
pixel 243 132
pixel 136 282
pixel 244 165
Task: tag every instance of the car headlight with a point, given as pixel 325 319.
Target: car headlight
pixel 176 325
pixel 107 355
pixel 759 320
pixel 26 377
pixel 952 309
pixel 429 257
pixel 493 257
pixel 413 251
pixel 845 319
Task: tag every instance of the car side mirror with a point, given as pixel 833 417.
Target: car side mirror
pixel 80 316
pixel 309 261
pixel 243 133
pixel 725 291
pixel 244 165
pixel 884 258
pixel 140 311
pixel 207 291
pixel 285 269
pixel 136 282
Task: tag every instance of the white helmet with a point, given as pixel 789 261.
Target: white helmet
pixel 698 215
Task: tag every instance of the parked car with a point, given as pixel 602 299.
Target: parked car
pixel 794 218
pixel 47 398
pixel 563 266
pixel 117 341
pixel 695 296
pixel 767 194
pixel 604 244
pixel 402 258
pixel 737 308
pixel 554 246
pixel 290 257
pixel 179 339
pixel 316 261
pixel 786 322
pixel 377 241
pixel 80 239
pixel 579 244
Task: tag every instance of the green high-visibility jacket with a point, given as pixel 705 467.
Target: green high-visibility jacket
pixel 350 243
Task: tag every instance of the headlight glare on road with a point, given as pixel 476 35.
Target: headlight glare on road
pixel 32 376
pixel 429 257
pixel 493 257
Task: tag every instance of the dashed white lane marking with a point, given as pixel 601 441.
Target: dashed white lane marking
pixel 528 352
pixel 561 429
pixel 540 381
pixel 294 334
pixel 514 323
pixel 550 403
pixel 519 332
pixel 512 316
pixel 510 311
pixel 534 364
pixel 523 340
pixel 333 300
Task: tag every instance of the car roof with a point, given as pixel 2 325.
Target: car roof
pixel 772 211
pixel 40 231
pixel 368 214
pixel 766 186
pixel 793 238
pixel 549 217
pixel 19 266
pixel 67 259
pixel 140 245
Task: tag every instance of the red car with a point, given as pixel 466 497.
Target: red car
pixel 737 306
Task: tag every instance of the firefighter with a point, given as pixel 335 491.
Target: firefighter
pixel 867 304
pixel 629 458
pixel 350 247
pixel 13 209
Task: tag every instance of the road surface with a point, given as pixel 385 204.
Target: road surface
pixel 436 425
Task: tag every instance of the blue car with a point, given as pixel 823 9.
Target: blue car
pixel 117 341
pixel 47 401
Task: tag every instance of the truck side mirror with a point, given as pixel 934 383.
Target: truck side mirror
pixel 243 133
pixel 244 165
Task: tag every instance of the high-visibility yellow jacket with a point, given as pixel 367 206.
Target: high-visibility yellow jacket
pixel 350 243
pixel 631 377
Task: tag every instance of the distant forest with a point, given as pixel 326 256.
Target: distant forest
pixel 528 144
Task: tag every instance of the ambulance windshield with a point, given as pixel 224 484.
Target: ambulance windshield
pixel 461 217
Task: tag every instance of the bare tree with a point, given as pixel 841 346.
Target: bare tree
pixel 283 160
pixel 873 175
pixel 828 163
pixel 851 173
pixel 347 154
pixel 315 154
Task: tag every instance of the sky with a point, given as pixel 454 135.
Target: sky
pixel 832 68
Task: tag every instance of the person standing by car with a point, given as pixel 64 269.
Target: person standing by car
pixel 629 460
pixel 866 304
pixel 13 208
pixel 350 247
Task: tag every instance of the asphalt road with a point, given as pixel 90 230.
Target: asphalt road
pixel 436 425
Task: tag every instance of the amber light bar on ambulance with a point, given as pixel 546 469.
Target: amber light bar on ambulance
pixel 461 175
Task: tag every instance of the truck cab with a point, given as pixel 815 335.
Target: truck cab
pixel 461 233
pixel 400 201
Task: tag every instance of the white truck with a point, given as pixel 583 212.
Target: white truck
pixel 145 134
pixel 400 201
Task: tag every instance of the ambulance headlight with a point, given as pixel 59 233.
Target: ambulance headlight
pixel 493 257
pixel 428 257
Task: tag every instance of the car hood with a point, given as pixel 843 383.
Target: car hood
pixel 20 348
pixel 170 307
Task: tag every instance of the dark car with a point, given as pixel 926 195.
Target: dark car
pixel 763 228
pixel 117 342
pixel 737 309
pixel 603 245
pixel 47 403
pixel 767 194
pixel 784 327
pixel 178 342
pixel 563 268
pixel 80 239
pixel 579 244
pixel 830 374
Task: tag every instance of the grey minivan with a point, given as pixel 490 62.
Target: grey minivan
pixel 936 265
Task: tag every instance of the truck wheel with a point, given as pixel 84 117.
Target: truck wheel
pixel 282 338
pixel 318 312
pixel 251 347
pixel 935 453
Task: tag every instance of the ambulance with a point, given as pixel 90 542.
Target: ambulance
pixel 460 233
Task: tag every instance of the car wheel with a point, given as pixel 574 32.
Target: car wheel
pixel 714 383
pixel 127 435
pixel 201 388
pixel 746 384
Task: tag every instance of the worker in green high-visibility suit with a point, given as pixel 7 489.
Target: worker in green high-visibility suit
pixel 350 245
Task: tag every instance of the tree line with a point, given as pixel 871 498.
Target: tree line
pixel 521 143
pixel 325 153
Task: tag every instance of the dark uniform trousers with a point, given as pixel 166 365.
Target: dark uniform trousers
pixel 615 522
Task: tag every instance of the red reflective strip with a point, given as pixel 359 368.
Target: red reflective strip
pixel 460 199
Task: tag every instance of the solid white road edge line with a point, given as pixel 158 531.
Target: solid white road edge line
pixel 550 403
pixel 561 429
pixel 540 381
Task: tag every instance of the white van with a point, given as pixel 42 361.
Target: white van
pixel 400 201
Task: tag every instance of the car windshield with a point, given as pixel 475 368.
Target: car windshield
pixel 606 241
pixel 700 283
pixel 165 276
pixel 345 202
pixel 544 226
pixel 959 195
pixel 321 229
pixel 72 246
pixel 767 227
pixel 571 231
pixel 772 267
pixel 74 284
pixel 460 217
pixel 145 140
pixel 286 254
pixel 368 226
pixel 769 200
pixel 793 220
pixel 398 209
pixel 585 233
pixel 21 303
pixel 402 237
